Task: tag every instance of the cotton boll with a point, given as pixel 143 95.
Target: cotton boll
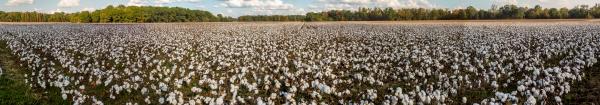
pixel 536 72
pixel 259 101
pixel 358 76
pixel 196 90
pixel 521 88
pixel 161 100
pixel 144 90
pixel 530 100
pixel 219 100
pixel 557 99
pixel 64 96
pixel 495 84
pixel 147 100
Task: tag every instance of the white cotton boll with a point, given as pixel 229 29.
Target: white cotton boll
pixel 241 100
pixel 530 101
pixel 219 100
pixel 324 88
pixel 372 94
pixel 501 96
pixel 196 90
pixel 137 78
pixel 97 102
pixel 521 88
pixel 358 76
pixel 557 99
pixel 144 91
pixel 536 72
pixel 453 91
pixel 259 101
pixel 161 100
pixel 293 89
pixel 147 100
pixel 272 96
pixel 64 96
pixel 163 86
pixel 464 100
pixel 494 84
pixel 172 98
pixel 112 96
pixel 304 86
pixel 277 84
pixel 397 92
pixel 454 67
pixel 191 102
pixel 314 94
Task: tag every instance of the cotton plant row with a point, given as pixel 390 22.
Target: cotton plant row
pixel 306 63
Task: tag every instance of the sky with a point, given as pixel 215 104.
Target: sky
pixel 237 8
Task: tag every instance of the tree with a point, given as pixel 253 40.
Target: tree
pixel 390 14
pixel 472 13
pixel 122 13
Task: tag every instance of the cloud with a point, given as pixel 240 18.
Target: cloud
pixel 295 11
pixel 88 9
pixel 18 2
pixel 257 4
pixel 55 11
pixel 260 7
pixel 157 2
pixel 505 2
pixel 68 3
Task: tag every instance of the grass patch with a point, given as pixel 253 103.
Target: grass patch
pixel 14 90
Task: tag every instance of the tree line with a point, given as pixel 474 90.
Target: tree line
pixel 271 18
pixel 469 13
pixel 118 14
pixel 145 14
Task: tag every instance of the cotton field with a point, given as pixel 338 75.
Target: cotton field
pixel 306 63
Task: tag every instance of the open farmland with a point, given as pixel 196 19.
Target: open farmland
pixel 305 63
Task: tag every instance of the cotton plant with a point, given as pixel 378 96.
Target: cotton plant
pixel 333 63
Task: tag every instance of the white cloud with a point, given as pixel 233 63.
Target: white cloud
pixel 55 11
pixel 88 9
pixel 18 2
pixel 258 4
pixel 156 2
pixel 296 11
pixel 261 7
pixel 68 3
pixel 505 2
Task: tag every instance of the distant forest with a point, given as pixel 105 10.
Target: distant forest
pixel 118 14
pixel 149 14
